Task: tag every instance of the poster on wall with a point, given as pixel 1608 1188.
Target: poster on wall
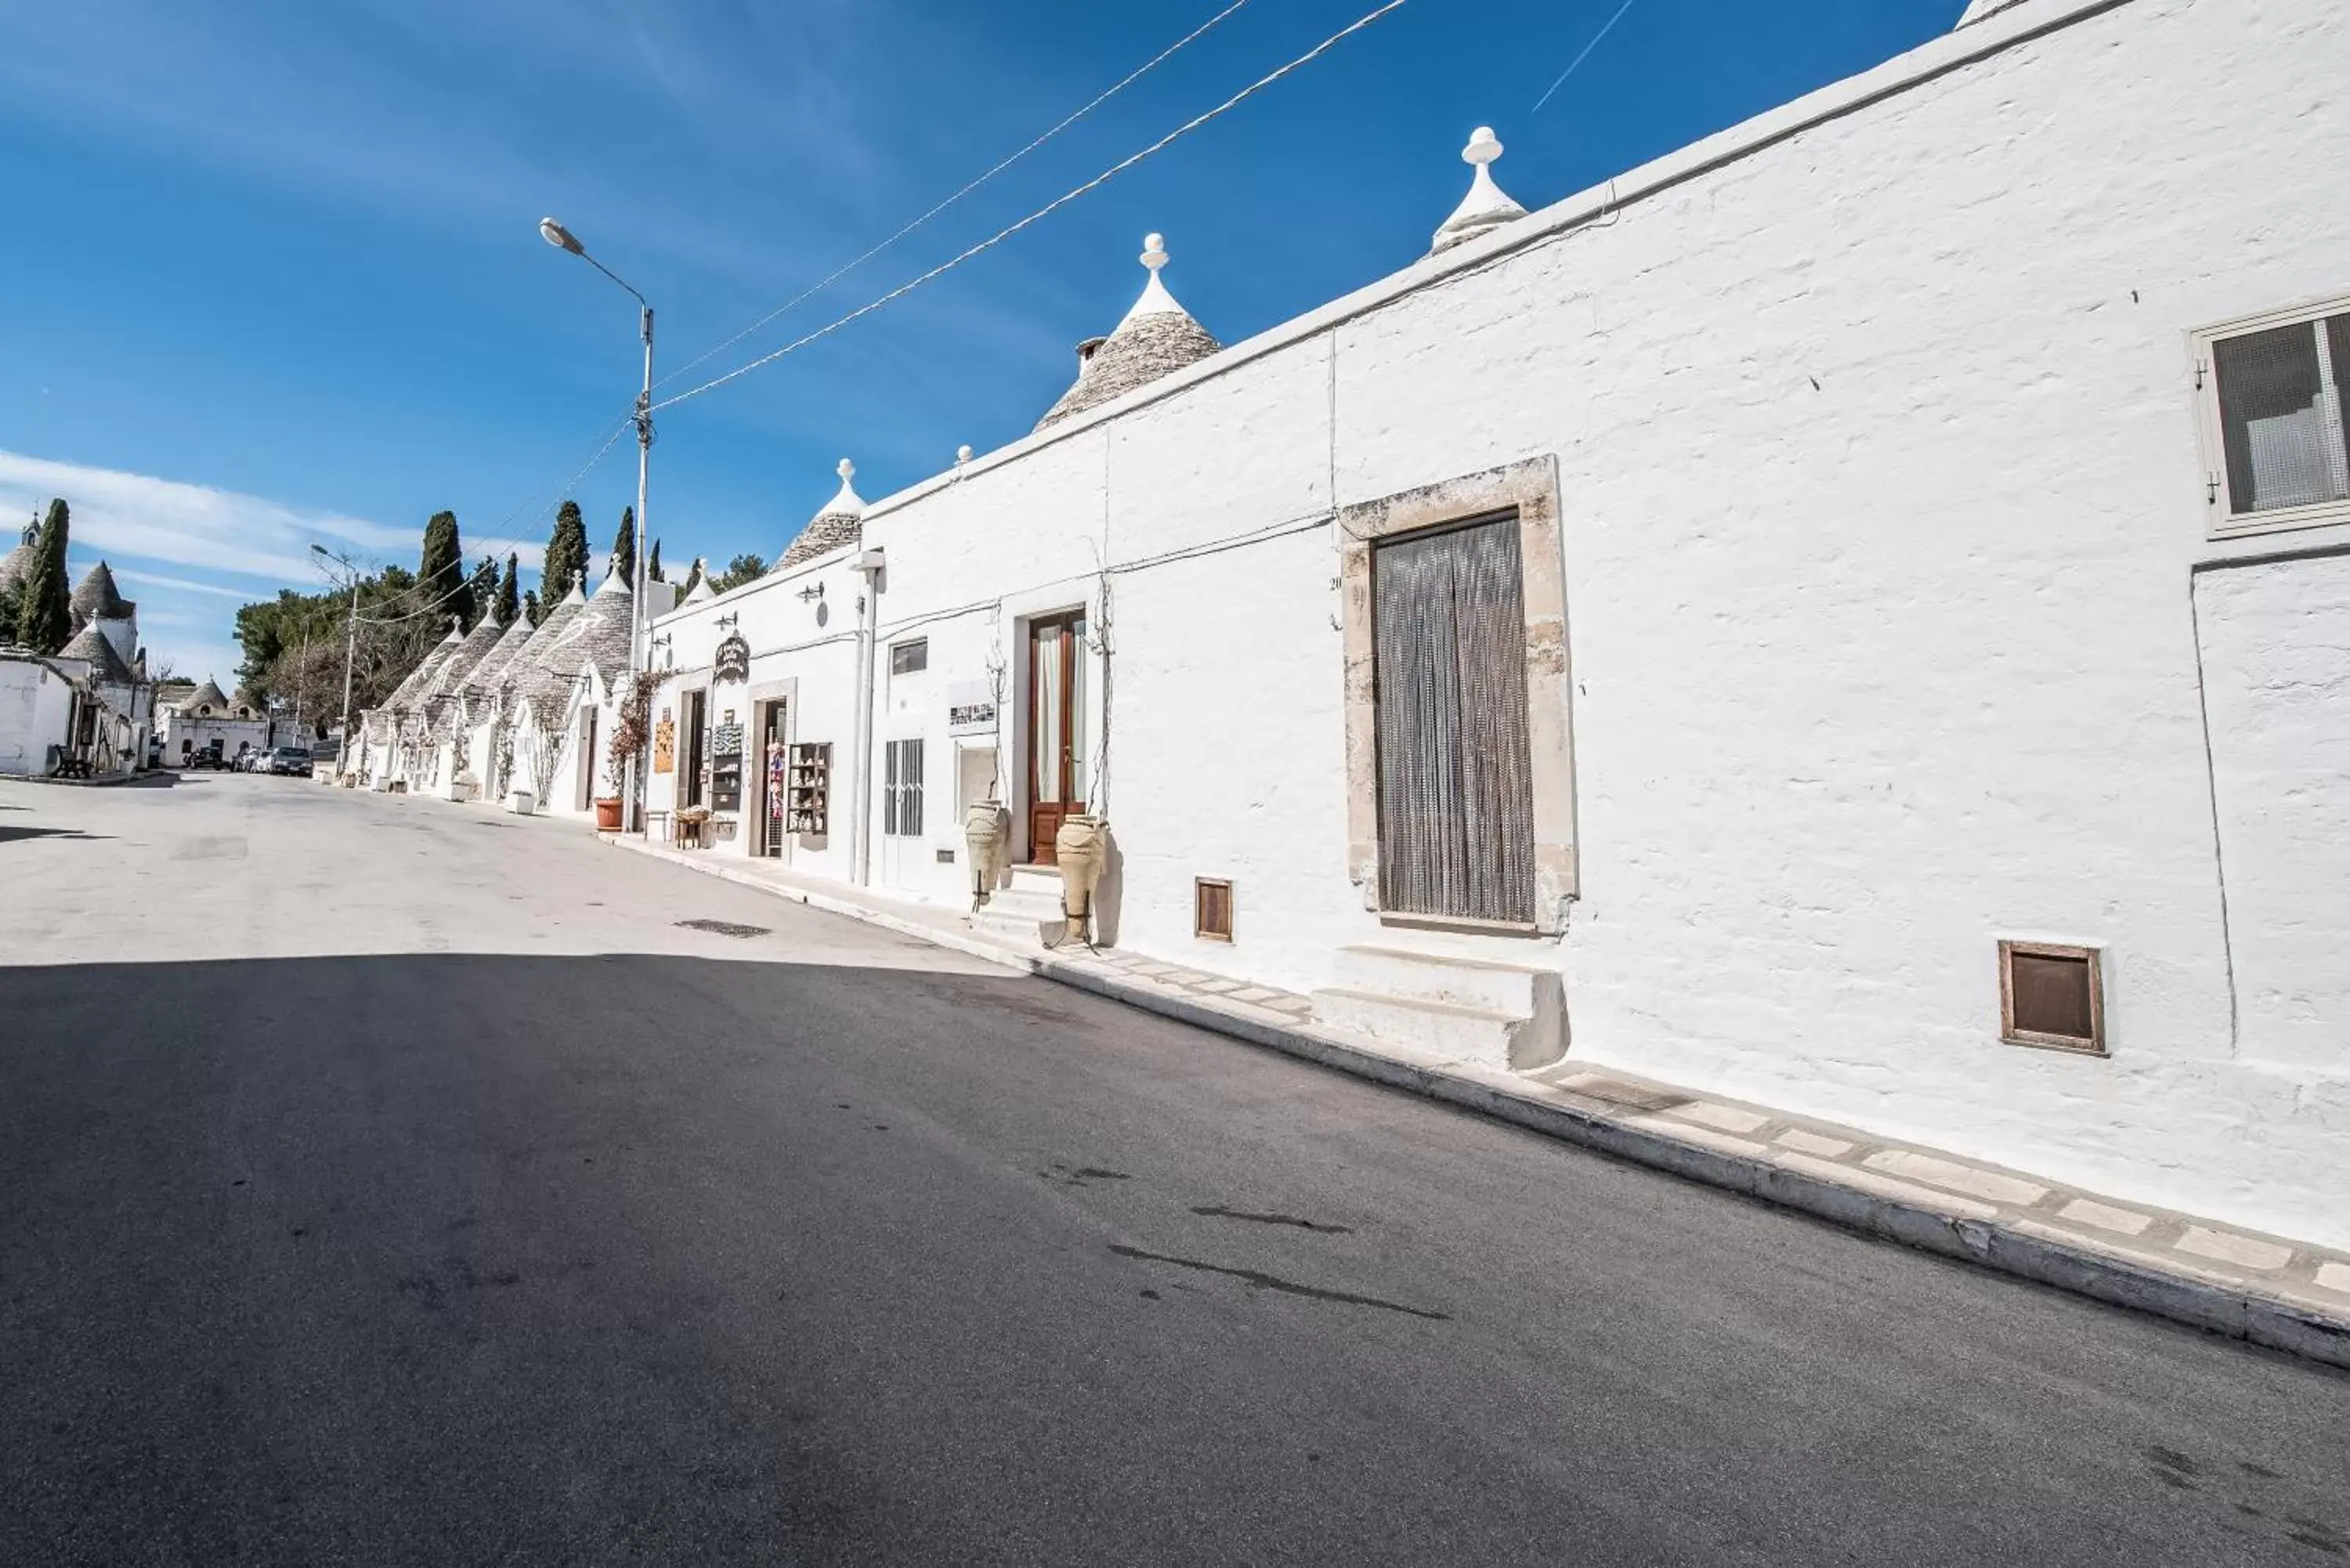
pixel 665 744
pixel 971 708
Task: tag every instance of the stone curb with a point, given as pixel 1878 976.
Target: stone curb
pixel 2230 1310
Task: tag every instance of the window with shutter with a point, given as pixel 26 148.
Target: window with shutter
pixel 1455 793
pixel 2276 443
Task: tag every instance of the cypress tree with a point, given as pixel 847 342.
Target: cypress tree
pixel 440 573
pixel 652 567
pixel 624 546
pixel 45 612
pixel 509 598
pixel 530 606
pixel 481 594
pixel 693 576
pixel 566 562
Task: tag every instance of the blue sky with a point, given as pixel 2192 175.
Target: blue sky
pixel 274 275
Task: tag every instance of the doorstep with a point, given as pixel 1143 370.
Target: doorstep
pixel 2268 1290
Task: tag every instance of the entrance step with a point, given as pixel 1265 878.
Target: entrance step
pixel 1492 1012
pixel 1029 910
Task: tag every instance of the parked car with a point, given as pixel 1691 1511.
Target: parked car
pixel 292 760
pixel 203 760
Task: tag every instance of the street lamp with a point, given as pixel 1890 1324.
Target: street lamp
pixel 562 239
pixel 350 648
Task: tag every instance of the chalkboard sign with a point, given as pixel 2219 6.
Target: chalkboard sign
pixel 726 741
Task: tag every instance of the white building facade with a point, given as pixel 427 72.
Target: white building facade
pixel 1849 616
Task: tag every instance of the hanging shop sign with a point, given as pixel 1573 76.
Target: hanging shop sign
pixel 732 662
pixel 971 708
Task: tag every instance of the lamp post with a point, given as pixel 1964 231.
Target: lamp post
pixel 561 238
pixel 350 648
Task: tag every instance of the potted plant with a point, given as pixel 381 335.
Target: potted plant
pixel 629 733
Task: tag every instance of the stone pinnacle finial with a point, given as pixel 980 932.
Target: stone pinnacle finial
pixel 1154 252
pixel 1485 207
pixel 846 469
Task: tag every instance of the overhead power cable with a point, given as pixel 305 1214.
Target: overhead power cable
pixel 1050 207
pixel 838 274
pixel 1583 56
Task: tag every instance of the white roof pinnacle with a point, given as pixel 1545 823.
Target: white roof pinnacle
pixel 1154 300
pixel 847 502
pixel 1485 206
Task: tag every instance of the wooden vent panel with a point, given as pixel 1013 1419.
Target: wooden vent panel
pixel 1211 909
pixel 2051 996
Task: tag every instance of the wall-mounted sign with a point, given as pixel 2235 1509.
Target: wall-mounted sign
pixel 665 744
pixel 971 708
pixel 732 662
pixel 726 741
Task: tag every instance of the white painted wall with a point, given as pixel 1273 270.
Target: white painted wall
pixel 1881 498
pixel 2276 680
pixel 35 713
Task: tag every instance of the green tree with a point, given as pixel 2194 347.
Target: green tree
pixel 652 567
pixel 624 546
pixel 481 594
pixel 693 576
pixel 45 609
pixel 509 597
pixel 743 568
pixel 440 572
pixel 566 562
pixel 530 606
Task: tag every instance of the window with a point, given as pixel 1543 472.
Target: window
pixel 901 793
pixel 1211 908
pixel 2271 390
pixel 2053 996
pixel 909 657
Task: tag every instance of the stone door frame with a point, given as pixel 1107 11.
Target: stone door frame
pixel 1529 489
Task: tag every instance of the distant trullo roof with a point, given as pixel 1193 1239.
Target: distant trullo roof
pixel 1157 338
pixel 18 561
pixel 95 597
pixel 597 635
pixel 492 670
pixel 840 522
pixel 208 695
pixel 106 666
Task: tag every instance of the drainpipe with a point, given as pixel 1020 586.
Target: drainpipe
pixel 868 564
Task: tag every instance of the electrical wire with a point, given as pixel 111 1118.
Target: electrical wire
pixel 1583 56
pixel 1050 207
pixel 835 276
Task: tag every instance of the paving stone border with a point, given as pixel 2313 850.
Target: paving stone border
pixel 2269 1291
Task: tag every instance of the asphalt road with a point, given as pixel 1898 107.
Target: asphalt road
pixel 383 1181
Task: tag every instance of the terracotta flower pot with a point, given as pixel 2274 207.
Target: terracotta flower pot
pixel 607 816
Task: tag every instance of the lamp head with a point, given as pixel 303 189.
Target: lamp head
pixel 555 235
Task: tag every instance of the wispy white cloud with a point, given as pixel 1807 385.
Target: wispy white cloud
pixel 180 585
pixel 187 524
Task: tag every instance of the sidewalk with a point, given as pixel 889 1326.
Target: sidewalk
pixel 2285 1294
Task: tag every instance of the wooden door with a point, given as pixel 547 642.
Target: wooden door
pixel 1455 764
pixel 1056 739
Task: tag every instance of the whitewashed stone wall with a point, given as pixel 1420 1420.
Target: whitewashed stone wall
pixel 1881 499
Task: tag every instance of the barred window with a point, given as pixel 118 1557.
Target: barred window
pixel 901 791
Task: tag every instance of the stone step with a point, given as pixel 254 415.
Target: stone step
pixel 1482 1034
pixel 1521 990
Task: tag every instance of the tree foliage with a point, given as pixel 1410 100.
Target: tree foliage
pixel 45 605
pixel 481 594
pixel 624 546
pixel 509 595
pixel 652 567
pixel 441 569
pixel 530 606
pixel 566 562
pixel 294 643
pixel 743 568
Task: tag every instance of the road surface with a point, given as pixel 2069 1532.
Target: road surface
pixel 393 1182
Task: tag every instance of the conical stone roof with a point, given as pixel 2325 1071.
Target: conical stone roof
pixel 440 696
pixel 403 696
pixel 106 666
pixel 207 696
pixel 18 561
pixel 95 598
pixel 1157 338
pixel 597 636
pixel 841 522
pixel 492 670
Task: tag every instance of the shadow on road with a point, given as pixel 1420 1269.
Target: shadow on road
pixel 11 835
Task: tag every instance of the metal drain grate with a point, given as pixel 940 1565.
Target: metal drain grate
pixel 726 927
